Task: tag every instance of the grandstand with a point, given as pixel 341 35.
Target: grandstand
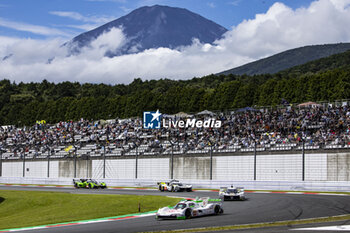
pixel 312 127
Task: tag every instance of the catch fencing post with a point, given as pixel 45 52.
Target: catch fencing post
pixel 136 163
pixel 172 161
pixel 303 158
pixel 254 159
pixel 0 162
pixel 48 162
pixel 24 162
pixel 75 162
pixel 104 161
pixel 87 166
pixel 211 161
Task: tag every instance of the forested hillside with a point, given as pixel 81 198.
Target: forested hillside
pixel 24 103
pixel 289 59
pixel 341 60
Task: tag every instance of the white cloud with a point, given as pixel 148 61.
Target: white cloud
pixel 85 27
pixel 282 28
pixel 80 17
pixel 235 3
pixel 41 30
pixel 125 9
pixel 118 1
pixel 279 29
pixel 211 4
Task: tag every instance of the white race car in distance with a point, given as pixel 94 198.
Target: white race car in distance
pixel 174 186
pixel 188 208
pixel 232 193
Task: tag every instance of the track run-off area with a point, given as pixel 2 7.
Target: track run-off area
pixel 260 207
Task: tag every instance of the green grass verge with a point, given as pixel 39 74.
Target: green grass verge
pixel 32 208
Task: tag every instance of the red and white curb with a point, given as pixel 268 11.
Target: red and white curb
pixel 299 193
pixel 107 219
pixel 282 192
pixel 36 186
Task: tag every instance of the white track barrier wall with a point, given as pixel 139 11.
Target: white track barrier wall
pixel 273 171
pixel 233 168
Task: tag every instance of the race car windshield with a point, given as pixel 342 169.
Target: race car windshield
pixel 179 184
pixel 232 191
pixel 180 206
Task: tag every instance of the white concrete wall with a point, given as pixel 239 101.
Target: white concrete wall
pixel 12 169
pixel 157 168
pixel 279 167
pixel 316 167
pixel 270 167
pixel 153 168
pixel 119 168
pixel 192 167
pixel 338 167
pixel 36 169
pixel 97 169
pixel 233 168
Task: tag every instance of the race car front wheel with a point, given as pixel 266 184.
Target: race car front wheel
pixel 217 209
pixel 188 213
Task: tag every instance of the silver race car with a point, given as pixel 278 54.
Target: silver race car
pixel 232 193
pixel 188 208
pixel 174 186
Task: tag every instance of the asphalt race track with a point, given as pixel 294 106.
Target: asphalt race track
pixel 260 207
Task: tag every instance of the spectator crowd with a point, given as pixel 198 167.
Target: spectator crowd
pixel 318 127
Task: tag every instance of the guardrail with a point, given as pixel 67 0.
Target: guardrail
pixel 339 186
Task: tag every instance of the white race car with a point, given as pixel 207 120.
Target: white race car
pixel 189 208
pixel 232 193
pixel 174 186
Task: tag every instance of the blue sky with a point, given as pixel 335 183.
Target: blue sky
pixel 67 18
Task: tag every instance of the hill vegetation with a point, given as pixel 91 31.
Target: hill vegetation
pixel 288 59
pixel 327 79
pixel 340 61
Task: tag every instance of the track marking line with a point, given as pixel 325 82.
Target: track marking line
pixel 327 228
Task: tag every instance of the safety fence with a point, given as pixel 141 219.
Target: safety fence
pixel 250 166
